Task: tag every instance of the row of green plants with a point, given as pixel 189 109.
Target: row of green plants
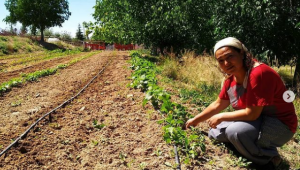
pixel 190 143
pixel 34 76
pixel 45 56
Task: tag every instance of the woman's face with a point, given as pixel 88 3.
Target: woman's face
pixel 230 60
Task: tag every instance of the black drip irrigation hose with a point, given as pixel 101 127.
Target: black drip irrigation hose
pixel 49 113
pixel 177 160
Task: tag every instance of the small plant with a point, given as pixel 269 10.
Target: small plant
pixel 158 152
pixel 16 103
pixel 242 162
pixel 98 126
pixel 95 143
pixel 122 156
pixel 143 165
pixel 55 125
pixel 62 66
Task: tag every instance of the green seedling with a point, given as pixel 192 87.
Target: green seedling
pixel 143 165
pixel 95 143
pixel 98 126
pixel 16 103
pixel 122 156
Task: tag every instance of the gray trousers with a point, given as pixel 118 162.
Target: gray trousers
pixel 244 136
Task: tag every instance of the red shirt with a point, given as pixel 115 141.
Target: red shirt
pixel 264 88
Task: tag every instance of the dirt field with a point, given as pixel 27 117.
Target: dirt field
pixel 32 67
pixel 130 139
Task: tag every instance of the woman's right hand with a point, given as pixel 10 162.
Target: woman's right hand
pixel 190 122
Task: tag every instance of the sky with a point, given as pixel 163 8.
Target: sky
pixel 81 10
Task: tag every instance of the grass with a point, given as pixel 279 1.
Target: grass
pixel 15 44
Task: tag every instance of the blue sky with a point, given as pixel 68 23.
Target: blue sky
pixel 81 11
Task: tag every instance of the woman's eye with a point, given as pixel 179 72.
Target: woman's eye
pixel 221 61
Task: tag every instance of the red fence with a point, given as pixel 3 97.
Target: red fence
pixel 124 47
pixel 100 46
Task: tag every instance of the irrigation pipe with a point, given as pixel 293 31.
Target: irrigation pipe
pixel 49 113
pixel 177 160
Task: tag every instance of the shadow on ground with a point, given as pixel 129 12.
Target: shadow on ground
pixel 49 46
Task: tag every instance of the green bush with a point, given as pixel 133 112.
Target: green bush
pixel 3 39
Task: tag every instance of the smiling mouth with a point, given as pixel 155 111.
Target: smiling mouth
pixel 229 68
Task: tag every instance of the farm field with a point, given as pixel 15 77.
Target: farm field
pixel 70 141
pixel 105 127
pixel 15 65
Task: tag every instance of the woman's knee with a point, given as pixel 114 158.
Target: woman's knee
pixel 242 130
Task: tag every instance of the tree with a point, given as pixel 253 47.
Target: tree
pixel 33 31
pixel 48 32
pixel 79 34
pixel 23 30
pixel 66 36
pixel 39 14
pixel 155 23
pixel 57 35
pixel 88 26
pixel 269 28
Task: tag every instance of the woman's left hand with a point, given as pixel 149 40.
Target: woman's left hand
pixel 215 120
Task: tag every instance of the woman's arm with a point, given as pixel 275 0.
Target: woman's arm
pixel 208 112
pixel 249 114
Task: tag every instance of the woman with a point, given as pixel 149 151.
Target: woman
pixel 262 120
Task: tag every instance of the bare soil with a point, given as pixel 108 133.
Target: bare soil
pixel 131 138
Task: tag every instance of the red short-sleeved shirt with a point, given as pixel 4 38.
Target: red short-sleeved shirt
pixel 264 88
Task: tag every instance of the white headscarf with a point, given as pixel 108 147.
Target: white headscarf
pixel 230 41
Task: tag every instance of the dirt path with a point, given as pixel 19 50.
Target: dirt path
pixel 131 138
pixel 5 76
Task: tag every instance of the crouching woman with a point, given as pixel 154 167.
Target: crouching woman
pixel 262 120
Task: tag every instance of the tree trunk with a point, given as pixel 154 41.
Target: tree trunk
pixel 296 79
pixel 161 48
pixel 42 35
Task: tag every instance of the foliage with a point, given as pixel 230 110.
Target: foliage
pixel 162 24
pixel 66 36
pixel 57 35
pixel 98 126
pixel 48 33
pixel 88 27
pixel 79 33
pixel 39 14
pixel 23 30
pixel 175 115
pixel 268 27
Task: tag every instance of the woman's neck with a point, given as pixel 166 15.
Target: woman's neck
pixel 240 76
